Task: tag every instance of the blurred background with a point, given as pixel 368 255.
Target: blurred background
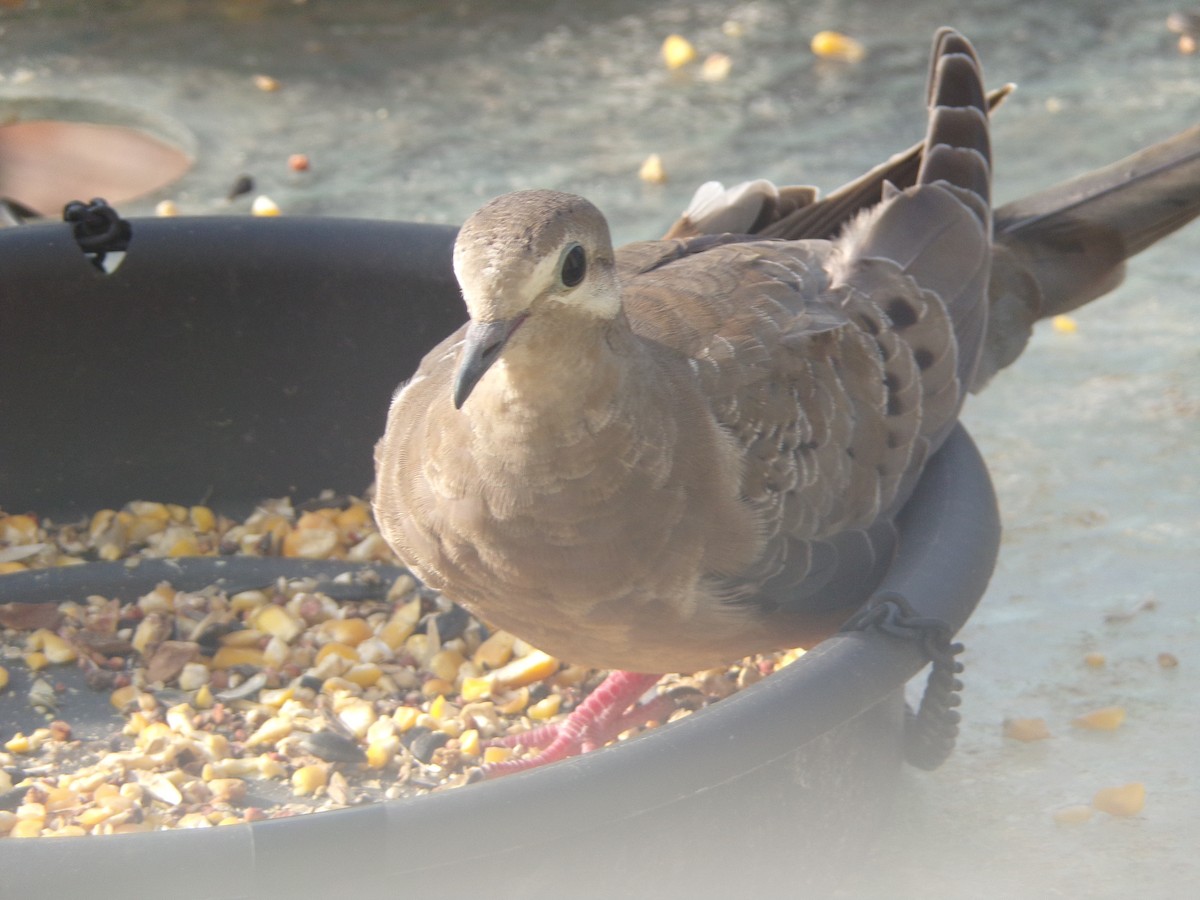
pixel 422 110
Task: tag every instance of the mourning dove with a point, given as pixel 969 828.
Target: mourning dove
pixel 672 455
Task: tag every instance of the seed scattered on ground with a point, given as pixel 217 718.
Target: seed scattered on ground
pixel 1026 730
pixel 1108 718
pixel 1127 800
pixel 266 702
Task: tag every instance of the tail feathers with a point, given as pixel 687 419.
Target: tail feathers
pixel 938 231
pixel 1063 247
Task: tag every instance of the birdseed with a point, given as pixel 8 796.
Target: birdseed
pixel 263 703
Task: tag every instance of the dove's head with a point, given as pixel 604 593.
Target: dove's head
pixel 525 255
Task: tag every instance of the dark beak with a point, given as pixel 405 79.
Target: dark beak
pixel 482 347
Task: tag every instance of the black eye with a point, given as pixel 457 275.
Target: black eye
pixel 574 266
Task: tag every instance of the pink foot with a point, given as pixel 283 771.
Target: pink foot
pixel 609 710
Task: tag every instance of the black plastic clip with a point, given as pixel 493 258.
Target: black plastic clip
pixel 98 228
pixel 931 731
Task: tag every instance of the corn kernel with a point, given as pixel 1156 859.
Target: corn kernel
pixel 56 649
pixel 380 753
pixel 27 828
pixel 1064 325
pixel 343 651
pixel 60 798
pixel 405 717
pixel 445 664
pixel 496 755
pixel 124 696
pixel 277 621
pixel 476 689
pixel 546 708
pixel 204 698
pixel 513 702
pixel 183 545
pixel 276 697
pixel 36 661
pixel 7 568
pixel 246 637
pixel 358 716
pixel 838 46
pixel 18 743
pixel 364 674
pixel 203 518
pixel 247 601
pixel 3 678
pixel 154 737
pixel 228 657
pixel 469 743
pixel 354 516
pixel 1126 800
pixel 677 51
pixel 1108 718
pixel 526 669
pixel 495 651
pixel 716 67
pixel 264 205
pixel 18 529
pixel 347 631
pixel 269 732
pixel 652 170
pixel 1026 730
pixel 308 779
pixel 92 817
pixel 396 632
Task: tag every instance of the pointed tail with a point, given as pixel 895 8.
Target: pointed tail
pixel 1067 245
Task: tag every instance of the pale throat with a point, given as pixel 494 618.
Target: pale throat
pixel 559 373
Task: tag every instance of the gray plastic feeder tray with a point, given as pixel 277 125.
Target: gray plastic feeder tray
pixel 232 359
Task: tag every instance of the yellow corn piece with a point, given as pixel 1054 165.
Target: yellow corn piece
pixel 334 648
pixel 526 670
pixel 838 46
pixel 653 171
pixel 405 717
pixel 347 631
pixel 1026 730
pixel 203 518
pixel 469 743
pixel 27 828
pixel 546 708
pixel 277 621
pixel 228 657
pixel 495 651
pixel 57 649
pixel 677 51
pixel 308 779
pixel 1108 718
pixel 269 732
pixel 1064 325
pixel 1126 800
pixel 496 754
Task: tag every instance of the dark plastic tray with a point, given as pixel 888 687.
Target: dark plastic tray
pixel 234 359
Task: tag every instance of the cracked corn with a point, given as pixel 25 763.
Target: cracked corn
pixel 264 703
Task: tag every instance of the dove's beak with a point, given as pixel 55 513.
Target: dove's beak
pixel 481 348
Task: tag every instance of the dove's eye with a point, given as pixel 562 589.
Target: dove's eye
pixel 573 267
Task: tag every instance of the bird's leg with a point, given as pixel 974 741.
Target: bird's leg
pixel 609 710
